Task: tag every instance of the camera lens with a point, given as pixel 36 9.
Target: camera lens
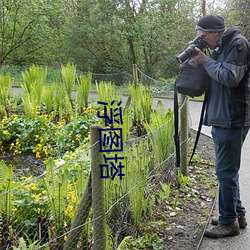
pixel 187 53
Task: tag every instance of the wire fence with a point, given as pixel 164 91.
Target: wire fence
pixel 158 87
pixel 70 207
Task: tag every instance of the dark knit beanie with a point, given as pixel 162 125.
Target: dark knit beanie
pixel 211 23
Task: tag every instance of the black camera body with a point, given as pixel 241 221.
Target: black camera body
pixel 190 51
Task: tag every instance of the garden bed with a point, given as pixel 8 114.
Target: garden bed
pixel 177 222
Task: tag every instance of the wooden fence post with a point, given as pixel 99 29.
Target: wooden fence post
pixel 80 218
pixel 98 199
pixel 135 82
pixel 135 74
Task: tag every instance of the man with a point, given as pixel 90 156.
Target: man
pixel 228 112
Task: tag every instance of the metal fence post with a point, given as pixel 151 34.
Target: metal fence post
pixel 98 199
pixel 184 135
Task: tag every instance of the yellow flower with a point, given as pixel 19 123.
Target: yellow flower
pixel 6 132
pixel 45 151
pixel 37 196
pixel 38 156
pixel 14 209
pixel 31 187
pixel 17 152
pixel 69 211
pixel 73 199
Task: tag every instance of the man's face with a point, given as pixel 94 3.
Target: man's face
pixel 211 38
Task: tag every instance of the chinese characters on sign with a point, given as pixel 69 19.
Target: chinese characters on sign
pixel 111 141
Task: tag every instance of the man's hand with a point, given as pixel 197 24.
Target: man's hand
pixel 200 58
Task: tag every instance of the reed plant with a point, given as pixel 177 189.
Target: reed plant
pixel 141 106
pixel 83 91
pixel 136 161
pixel 56 187
pixel 68 74
pixel 137 171
pixel 106 92
pixel 5 90
pixel 161 129
pixel 34 80
pixel 48 98
pixel 126 125
pixel 62 106
pixel 6 184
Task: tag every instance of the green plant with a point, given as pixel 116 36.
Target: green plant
pixel 126 125
pixel 147 241
pixel 34 81
pixel 176 199
pixel 56 187
pixel 106 92
pixel 161 132
pixel 28 244
pixel 5 90
pixel 6 196
pixel 141 109
pixel 68 74
pixel 83 91
pixel 164 191
pixel 43 137
pixel 30 208
pixel 48 98
pixel 184 181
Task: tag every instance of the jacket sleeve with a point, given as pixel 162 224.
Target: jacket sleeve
pixel 234 66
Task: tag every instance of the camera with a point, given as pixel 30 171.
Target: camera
pixel 190 51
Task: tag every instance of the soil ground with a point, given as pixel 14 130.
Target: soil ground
pixel 196 201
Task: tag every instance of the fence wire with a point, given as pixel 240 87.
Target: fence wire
pixel 54 209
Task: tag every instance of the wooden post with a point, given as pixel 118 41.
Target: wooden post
pixel 80 218
pixel 135 74
pixel 98 199
pixel 135 82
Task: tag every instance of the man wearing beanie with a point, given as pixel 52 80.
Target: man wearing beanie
pixel 228 112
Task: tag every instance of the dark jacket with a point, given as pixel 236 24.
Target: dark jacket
pixel 229 90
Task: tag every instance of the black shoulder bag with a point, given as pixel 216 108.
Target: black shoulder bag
pixel 191 81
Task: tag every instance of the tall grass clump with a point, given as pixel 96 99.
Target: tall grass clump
pixel 107 94
pixel 68 74
pixel 34 80
pixel 129 212
pixel 83 91
pixel 141 106
pixel 161 129
pixel 5 90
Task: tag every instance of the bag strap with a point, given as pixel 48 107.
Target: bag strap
pixel 199 127
pixel 176 126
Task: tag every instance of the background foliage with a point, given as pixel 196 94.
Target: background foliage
pixel 106 36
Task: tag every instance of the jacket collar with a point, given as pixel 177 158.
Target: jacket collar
pixel 231 32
